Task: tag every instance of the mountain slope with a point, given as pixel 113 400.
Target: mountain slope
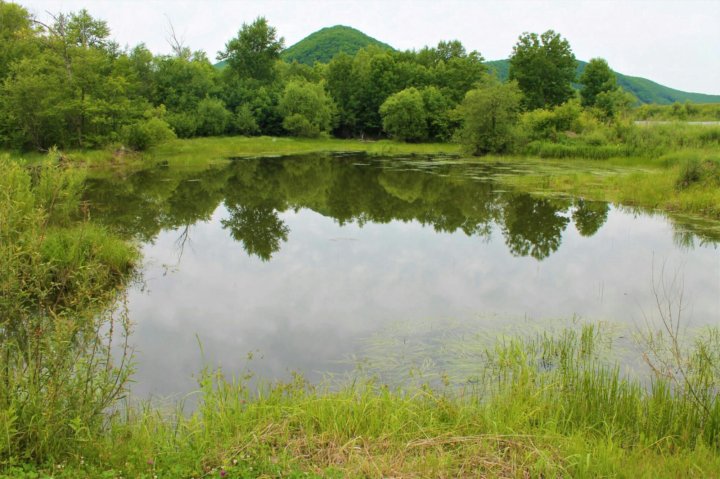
pixel 324 44
pixel 645 90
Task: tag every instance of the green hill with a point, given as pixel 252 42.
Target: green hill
pixel 645 90
pixel 324 44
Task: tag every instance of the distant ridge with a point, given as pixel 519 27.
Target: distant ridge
pixel 324 44
pixel 645 90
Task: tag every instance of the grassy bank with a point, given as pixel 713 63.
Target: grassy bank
pixel 200 152
pixel 547 406
pixel 683 182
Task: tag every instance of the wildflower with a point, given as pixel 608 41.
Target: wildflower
pixel 223 472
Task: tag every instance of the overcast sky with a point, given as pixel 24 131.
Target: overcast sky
pixel 675 43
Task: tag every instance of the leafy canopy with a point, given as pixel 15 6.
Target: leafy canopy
pixel 403 115
pixel 544 68
pixel 597 78
pixel 253 53
pixel 489 114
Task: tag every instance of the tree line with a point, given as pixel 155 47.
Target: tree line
pixel 66 83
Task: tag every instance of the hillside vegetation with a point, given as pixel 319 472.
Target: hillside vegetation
pixel 324 44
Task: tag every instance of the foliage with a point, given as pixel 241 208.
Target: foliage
pixel 306 108
pixel 70 91
pixel 550 124
pixel 58 374
pixel 181 83
pixel 184 124
pixel 678 112
pixel 646 91
pixel 404 117
pixel 16 35
pixel 322 45
pixel 613 103
pixel 488 114
pixel 244 121
pixel 144 134
pixel 544 68
pixel 253 53
pixel 212 117
pixel 597 78
pixel 441 122
pixel 694 171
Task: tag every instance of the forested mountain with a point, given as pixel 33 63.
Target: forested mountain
pixel 647 91
pixel 324 44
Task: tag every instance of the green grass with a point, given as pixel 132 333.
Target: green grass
pixel 645 182
pixel 546 406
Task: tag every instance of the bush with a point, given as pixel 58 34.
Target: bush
pixel 306 108
pixel 489 115
pixel 184 125
pixel 144 134
pixel 244 121
pixel 298 125
pixel 212 117
pixel 542 124
pixel 404 117
pixel 693 171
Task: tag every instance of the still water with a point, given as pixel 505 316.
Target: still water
pixel 296 261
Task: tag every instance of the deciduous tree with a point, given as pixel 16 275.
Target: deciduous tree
pixel 403 115
pixel 597 78
pixel 489 114
pixel 544 68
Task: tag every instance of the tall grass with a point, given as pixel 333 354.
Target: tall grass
pixel 549 405
pixel 58 275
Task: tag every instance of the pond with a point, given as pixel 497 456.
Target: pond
pixel 291 264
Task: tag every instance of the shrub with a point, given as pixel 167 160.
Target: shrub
pixel 549 124
pixel 184 125
pixel 244 121
pixel 404 117
pixel 298 125
pixel 306 108
pixel 489 114
pixel 144 134
pixel 212 117
pixel 693 171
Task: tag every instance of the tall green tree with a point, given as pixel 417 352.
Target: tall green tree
pixel 489 114
pixel 544 68
pixel 597 78
pixel 17 37
pixel 72 91
pixel 342 84
pixel 254 52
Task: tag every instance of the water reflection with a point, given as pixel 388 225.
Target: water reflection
pixel 300 257
pixel 446 196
